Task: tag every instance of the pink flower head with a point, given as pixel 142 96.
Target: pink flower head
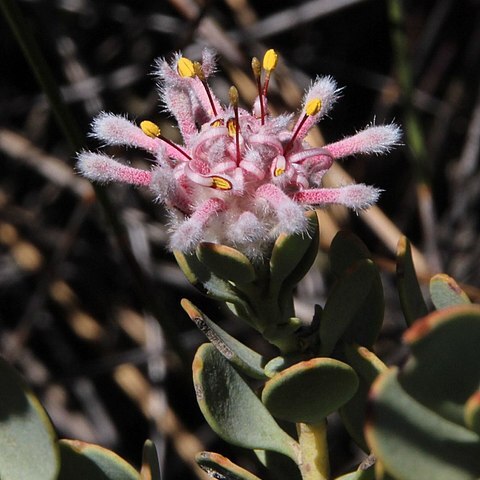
pixel 241 177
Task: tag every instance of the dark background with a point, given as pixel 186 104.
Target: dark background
pixel 73 318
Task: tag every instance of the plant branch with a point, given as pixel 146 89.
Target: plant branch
pixel 315 463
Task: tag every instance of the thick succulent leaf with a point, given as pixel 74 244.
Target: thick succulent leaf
pixel 445 292
pixel 209 284
pixel 277 364
pixel 353 414
pixel 80 460
pixel 368 319
pixel 28 448
pixel 221 468
pixel 344 302
pixel 293 255
pixel 365 362
pixel 472 412
pixel 413 442
pixel 232 409
pixel 225 292
pixel 383 475
pixel 444 368
pixel 226 262
pixel 310 254
pixel 309 391
pixel 150 463
pixel 411 298
pixel 368 366
pixel 345 250
pixel 359 475
pixel 195 271
pixel 244 358
pixel 279 467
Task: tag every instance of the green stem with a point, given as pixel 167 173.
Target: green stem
pixel 284 336
pixel 413 129
pixel 67 123
pixel 314 463
pixel 276 324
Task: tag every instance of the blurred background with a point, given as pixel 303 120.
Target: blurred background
pixel 89 310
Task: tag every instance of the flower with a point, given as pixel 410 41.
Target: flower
pixel 240 178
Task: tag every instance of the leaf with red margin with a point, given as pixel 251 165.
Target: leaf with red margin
pixel 444 368
pixel 411 299
pixel 81 461
pixel 445 292
pixel 309 391
pixel 414 443
pixel 218 466
pixel 472 412
pixel 232 409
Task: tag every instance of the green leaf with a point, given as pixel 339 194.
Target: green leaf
pixel 345 250
pixel 212 286
pixel 411 299
pixel 197 274
pixel 293 255
pixel 277 364
pixel 365 363
pixel 226 262
pixel 150 463
pixel 353 414
pixel 28 449
pixel 413 442
pixel 221 468
pixel 445 292
pixel 231 408
pixel 309 391
pixel 203 279
pixel 472 412
pixel 343 303
pixel 225 292
pixel 359 475
pixel 444 368
pixel 368 367
pixel 244 358
pixel 368 319
pixel 81 461
pixel 279 467
pixel 310 254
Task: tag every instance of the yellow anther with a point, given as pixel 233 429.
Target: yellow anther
pixel 313 107
pixel 232 126
pixel 198 70
pixel 233 94
pixel 185 67
pixel 217 123
pixel 221 183
pixel 270 60
pixel 280 167
pixel 256 68
pixel 150 129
